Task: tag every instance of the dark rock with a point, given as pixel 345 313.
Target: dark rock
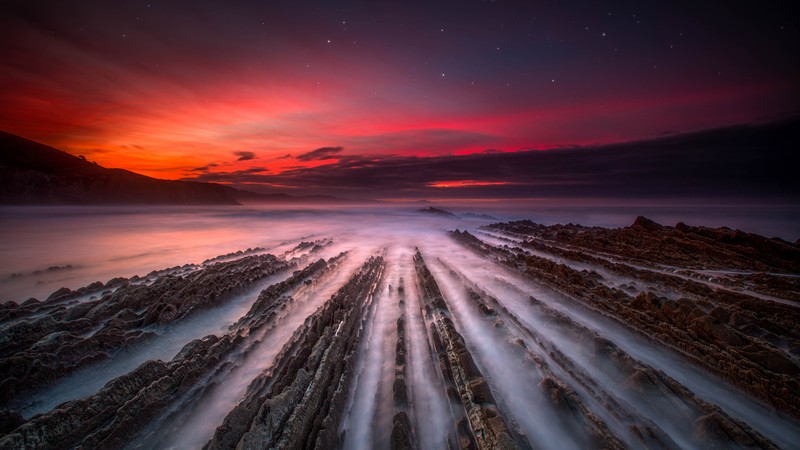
pixel 30 302
pixel 466 385
pixel 400 392
pixel 167 300
pixel 59 293
pixel 700 323
pixel 480 391
pixel 114 282
pixel 312 377
pixel 647 224
pixel 9 421
pixel 401 438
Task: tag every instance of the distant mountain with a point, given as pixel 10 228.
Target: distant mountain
pixel 34 173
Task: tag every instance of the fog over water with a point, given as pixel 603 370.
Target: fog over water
pixel 44 249
pixel 81 245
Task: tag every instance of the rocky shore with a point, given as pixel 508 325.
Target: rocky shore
pixel 507 336
pixel 68 337
pixel 747 340
pixel 482 425
pixel 298 404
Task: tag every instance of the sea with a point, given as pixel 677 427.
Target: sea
pixel 45 248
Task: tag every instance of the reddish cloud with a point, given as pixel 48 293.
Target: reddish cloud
pixel 465 183
pixel 320 154
pixel 244 156
pixel 166 89
pixel 742 162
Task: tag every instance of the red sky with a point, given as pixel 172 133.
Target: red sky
pixel 177 90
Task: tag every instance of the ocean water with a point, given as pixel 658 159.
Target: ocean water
pixel 45 248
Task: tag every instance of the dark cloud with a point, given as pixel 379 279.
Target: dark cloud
pixel 742 161
pixel 728 64
pixel 434 140
pixel 227 177
pixel 245 156
pixel 205 168
pixel 286 156
pixel 320 154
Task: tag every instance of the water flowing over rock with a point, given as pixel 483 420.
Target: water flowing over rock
pixel 41 350
pixel 506 336
pixel 299 403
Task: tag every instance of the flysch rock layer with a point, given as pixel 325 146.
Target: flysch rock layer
pixel 299 403
pixel 126 404
pixel 553 302
pixel 38 351
pixel 487 429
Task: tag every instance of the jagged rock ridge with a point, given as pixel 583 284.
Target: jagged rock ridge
pixel 516 335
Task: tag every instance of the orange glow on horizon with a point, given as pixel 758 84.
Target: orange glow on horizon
pixel 465 183
pixel 173 132
pixel 242 93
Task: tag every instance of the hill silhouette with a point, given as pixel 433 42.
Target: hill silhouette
pixel 34 173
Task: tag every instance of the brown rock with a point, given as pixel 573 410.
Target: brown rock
pixel 400 392
pixel 401 438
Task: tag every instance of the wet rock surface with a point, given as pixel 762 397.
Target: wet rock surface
pixel 682 245
pixel 739 336
pixel 39 350
pixel 402 436
pixel 125 405
pixel 298 404
pixel 464 381
pixel 513 335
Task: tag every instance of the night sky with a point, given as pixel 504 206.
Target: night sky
pixel 306 96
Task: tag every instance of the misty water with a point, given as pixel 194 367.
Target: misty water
pixel 44 249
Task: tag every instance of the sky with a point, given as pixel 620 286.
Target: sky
pixel 276 96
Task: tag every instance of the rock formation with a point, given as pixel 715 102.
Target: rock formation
pixel 512 336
